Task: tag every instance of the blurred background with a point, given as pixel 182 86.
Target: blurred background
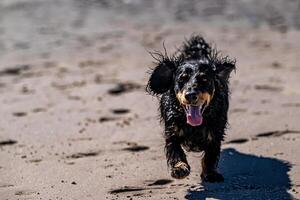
pixel 77 123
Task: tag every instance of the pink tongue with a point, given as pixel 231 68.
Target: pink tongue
pixel 193 115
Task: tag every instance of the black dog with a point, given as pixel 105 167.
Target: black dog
pixel 192 87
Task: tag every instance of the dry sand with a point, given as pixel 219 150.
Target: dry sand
pixel 77 123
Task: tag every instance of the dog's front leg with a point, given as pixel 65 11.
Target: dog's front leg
pixel 176 158
pixel 210 163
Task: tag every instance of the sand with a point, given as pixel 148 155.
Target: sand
pixel 77 123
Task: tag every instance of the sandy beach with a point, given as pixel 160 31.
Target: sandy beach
pixel 76 120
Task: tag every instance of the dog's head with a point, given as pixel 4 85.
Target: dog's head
pixel 192 81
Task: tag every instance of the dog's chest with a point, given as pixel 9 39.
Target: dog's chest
pixel 195 139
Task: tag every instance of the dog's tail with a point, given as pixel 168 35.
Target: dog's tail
pixel 196 47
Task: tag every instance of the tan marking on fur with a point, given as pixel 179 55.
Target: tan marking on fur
pixel 181 164
pixel 202 98
pixel 181 98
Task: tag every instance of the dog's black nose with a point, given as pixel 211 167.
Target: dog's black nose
pixel 191 97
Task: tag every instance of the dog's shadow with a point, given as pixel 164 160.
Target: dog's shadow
pixel 246 177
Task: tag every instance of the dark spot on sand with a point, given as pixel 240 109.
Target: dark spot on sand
pixel 74 183
pixel 35 160
pixel 125 142
pixel 75 84
pixel 269 88
pixel 238 141
pixel 123 87
pixel 235 110
pixel 98 79
pixel 161 182
pixel 2 85
pixel 13 71
pixel 24 192
pixel 91 63
pixel 82 155
pixel 136 148
pixel 107 119
pixel 6 185
pixel 261 113
pixel 22 45
pixel 106 48
pixel 138 194
pixel 276 133
pixel 19 114
pixel 276 65
pixel 120 111
pixel 69 163
pixel 291 105
pixel 50 64
pixel 36 110
pixel 75 98
pixel 81 139
pixel 7 142
pixel 126 189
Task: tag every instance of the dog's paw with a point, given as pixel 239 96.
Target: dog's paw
pixel 212 177
pixel 180 170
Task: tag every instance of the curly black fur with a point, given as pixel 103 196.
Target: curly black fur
pixel 196 55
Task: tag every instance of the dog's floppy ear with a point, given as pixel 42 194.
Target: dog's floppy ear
pixel 161 79
pixel 224 68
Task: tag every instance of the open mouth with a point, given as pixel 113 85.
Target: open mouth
pixel 194 114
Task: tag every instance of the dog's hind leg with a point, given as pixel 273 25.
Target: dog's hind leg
pixel 176 159
pixel 210 163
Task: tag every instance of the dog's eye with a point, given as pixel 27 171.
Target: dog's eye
pixel 202 78
pixel 183 77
